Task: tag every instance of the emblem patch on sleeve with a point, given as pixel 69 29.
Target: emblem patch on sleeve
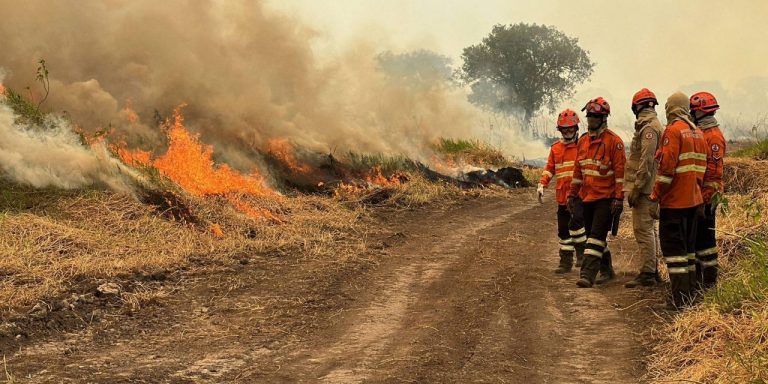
pixel 620 146
pixel 666 140
pixel 649 135
pixel 715 147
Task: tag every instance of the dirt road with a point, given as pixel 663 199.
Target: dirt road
pixel 461 293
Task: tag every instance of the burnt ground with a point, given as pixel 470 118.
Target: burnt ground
pixel 457 293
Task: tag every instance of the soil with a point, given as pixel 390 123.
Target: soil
pixel 460 292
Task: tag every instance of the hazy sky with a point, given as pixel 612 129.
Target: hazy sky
pixel 660 44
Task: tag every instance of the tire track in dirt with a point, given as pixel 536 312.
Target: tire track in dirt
pixel 462 293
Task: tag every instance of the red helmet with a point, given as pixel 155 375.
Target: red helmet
pixel 704 102
pixel 643 96
pixel 597 106
pixel 567 118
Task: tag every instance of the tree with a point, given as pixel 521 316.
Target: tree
pixel 520 68
pixel 420 68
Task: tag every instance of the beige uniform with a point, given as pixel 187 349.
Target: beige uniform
pixel 640 174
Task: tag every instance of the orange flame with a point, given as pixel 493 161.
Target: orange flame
pixel 2 89
pixel 283 150
pixel 217 231
pixel 189 164
pixel 378 178
pixel 129 113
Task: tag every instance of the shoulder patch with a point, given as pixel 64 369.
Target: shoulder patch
pixel 619 146
pixel 715 147
pixel 666 141
pixel 648 135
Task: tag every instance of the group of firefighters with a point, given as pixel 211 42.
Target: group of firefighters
pixel 673 175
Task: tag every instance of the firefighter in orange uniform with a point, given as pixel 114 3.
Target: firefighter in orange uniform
pixel 682 160
pixel 597 190
pixel 560 164
pixel 703 107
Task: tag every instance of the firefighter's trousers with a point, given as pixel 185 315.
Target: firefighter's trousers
pixel 644 227
pixel 570 231
pixel 677 233
pixel 597 221
pixel 706 249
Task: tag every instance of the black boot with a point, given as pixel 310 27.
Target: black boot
pixel 680 290
pixel 579 254
pixel 589 268
pixel 606 269
pixel 566 262
pixel 709 277
pixel 644 279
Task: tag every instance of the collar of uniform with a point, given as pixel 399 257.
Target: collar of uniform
pixel 599 135
pixel 645 116
pixel 707 122
pixel 571 141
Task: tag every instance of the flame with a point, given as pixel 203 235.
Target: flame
pixel 217 231
pixel 283 150
pixel 189 164
pixel 2 89
pixel 378 178
pixel 129 113
pixel 445 166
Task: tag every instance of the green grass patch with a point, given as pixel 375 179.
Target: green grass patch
pixel 746 283
pixel 757 151
pixel 473 152
pixel 452 146
pixel 26 111
pixel 388 164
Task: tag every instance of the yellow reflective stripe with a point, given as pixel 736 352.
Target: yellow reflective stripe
pixel 564 174
pixel 710 263
pixel 596 242
pixel 566 241
pixel 577 232
pixel 713 184
pixel 580 239
pixel 593 252
pixel 676 259
pixel 677 270
pixel 707 252
pixel 591 172
pixel 576 181
pixel 567 248
pixel 590 162
pixel 547 174
pixel 692 155
pixel 691 168
pixel 692 267
pixel 565 164
pixel 619 181
pixel 664 179
pixel 691 256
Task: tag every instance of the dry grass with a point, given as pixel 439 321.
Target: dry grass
pixel 725 338
pixel 65 239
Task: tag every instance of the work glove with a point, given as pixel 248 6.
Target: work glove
pixel 634 194
pixel 571 205
pixel 617 206
pixel 540 190
pixel 653 209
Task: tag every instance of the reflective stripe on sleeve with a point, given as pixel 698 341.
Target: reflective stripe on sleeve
pixel 546 173
pixel 565 164
pixel 575 181
pixel 713 184
pixel 691 168
pixel 692 155
pixel 664 179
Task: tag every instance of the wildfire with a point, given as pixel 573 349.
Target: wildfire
pixel 446 167
pixel 378 178
pixel 2 89
pixel 129 113
pixel 189 164
pixel 283 151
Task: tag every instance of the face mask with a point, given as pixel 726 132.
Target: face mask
pixel 594 123
pixel 569 133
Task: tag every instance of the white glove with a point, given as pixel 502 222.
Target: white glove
pixel 540 190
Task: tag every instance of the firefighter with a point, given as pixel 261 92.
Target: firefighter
pixel 703 106
pixel 570 228
pixel 597 190
pixel 639 177
pixel 682 160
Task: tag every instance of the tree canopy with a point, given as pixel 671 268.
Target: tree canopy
pixel 518 69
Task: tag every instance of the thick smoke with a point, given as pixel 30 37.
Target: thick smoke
pixel 55 157
pixel 246 74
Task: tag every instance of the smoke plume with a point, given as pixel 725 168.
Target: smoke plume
pixel 246 74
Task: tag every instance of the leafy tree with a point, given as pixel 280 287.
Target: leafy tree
pixel 520 68
pixel 419 68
